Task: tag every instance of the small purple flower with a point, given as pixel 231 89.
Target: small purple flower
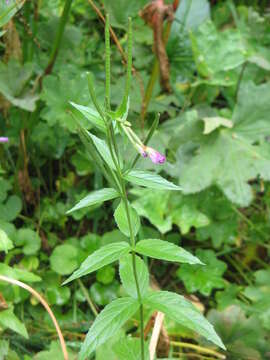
pixel 155 156
pixel 3 139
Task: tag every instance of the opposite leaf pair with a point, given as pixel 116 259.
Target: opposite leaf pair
pixel 133 272
pixel 113 317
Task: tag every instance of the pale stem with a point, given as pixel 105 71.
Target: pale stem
pixel 155 334
pixel 46 306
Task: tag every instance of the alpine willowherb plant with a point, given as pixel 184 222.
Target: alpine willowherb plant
pixel 134 275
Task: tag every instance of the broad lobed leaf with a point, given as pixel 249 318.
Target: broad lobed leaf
pixel 203 278
pixel 230 158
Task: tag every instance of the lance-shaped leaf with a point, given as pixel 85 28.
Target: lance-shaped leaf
pixel 150 180
pixel 127 275
pixel 182 311
pixel 164 250
pixel 91 115
pixel 95 197
pixel 8 9
pixel 107 323
pixel 121 219
pixel 103 149
pixel 103 256
pixel 92 152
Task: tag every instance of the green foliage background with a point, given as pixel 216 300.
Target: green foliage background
pixel 215 131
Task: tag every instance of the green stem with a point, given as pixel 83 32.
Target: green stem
pixel 148 138
pixel 58 38
pixel 108 63
pixel 239 269
pixel 113 152
pixel 26 42
pixel 88 299
pixel 250 223
pixel 133 243
pixel 115 146
pixel 129 60
pixel 112 142
pixel 115 155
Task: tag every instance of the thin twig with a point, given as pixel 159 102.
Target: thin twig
pixel 56 44
pixel 193 356
pixel 46 306
pixel 155 69
pixel 88 299
pixel 155 334
pixel 201 349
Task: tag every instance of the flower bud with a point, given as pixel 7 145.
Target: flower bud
pixel 141 150
pixel 155 156
pixel 3 139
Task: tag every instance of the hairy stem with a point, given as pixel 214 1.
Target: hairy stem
pixel 133 243
pixel 108 63
pixel 119 47
pixel 112 144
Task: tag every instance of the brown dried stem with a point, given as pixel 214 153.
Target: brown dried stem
pixel 154 15
pixel 46 306
pixel 155 334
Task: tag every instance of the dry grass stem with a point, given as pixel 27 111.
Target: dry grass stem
pixel 46 306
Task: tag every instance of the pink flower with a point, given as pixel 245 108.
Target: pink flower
pixel 155 156
pixel 3 139
pixel 145 151
pixel 141 149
